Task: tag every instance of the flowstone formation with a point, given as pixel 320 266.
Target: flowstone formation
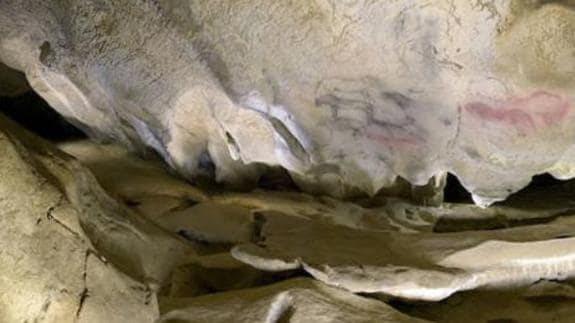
pixel 109 237
pixel 287 161
pixel 344 95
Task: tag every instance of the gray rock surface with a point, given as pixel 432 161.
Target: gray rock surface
pixel 350 98
pixel 345 95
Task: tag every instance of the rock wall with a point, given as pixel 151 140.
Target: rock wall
pixel 345 95
pixel 109 237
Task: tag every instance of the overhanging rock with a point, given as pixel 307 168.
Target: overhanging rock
pixel 346 96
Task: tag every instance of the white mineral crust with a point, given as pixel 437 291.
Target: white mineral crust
pixel 345 95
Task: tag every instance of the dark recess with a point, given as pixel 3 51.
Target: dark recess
pixel 34 114
pixel 454 192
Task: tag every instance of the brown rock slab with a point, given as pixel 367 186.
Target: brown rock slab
pixel 295 300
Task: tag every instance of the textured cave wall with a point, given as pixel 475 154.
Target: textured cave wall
pixel 345 95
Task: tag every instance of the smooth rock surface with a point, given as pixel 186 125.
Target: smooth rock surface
pixel 395 248
pixel 53 268
pixel 71 253
pixel 388 248
pixel 421 266
pixel 297 300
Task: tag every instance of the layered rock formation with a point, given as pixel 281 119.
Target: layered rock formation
pixel 150 247
pixel 74 254
pixel 344 95
pixel 70 252
pixel 374 101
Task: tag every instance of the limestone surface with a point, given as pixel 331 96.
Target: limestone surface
pixel 76 252
pixel 297 300
pixel 421 266
pixel 54 268
pixel 359 109
pixel 347 96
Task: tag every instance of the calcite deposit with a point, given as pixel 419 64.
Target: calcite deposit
pixel 345 95
pixel 287 161
pixel 123 247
